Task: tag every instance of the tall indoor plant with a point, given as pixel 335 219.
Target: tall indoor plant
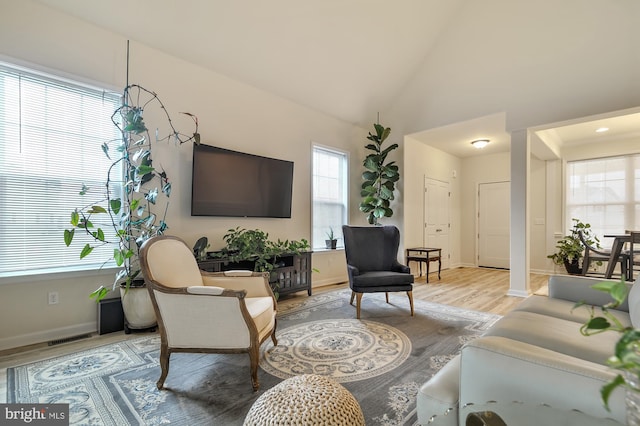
pixel 133 204
pixel 379 177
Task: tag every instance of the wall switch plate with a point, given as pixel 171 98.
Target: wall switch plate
pixel 53 298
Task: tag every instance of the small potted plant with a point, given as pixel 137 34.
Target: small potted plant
pixel 570 249
pixel 331 242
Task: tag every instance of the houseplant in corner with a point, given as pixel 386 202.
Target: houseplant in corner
pixel 570 249
pixel 133 204
pixel 379 177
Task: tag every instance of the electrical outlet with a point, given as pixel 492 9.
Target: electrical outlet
pixel 53 298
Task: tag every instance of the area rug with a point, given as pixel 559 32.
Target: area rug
pixel 382 359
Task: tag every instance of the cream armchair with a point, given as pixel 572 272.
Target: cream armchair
pixel 203 312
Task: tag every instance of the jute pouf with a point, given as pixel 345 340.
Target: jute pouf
pixel 307 399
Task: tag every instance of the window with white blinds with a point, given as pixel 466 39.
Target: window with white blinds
pixel 604 192
pixel 330 194
pixel 51 132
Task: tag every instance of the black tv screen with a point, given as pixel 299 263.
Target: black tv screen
pixel 236 184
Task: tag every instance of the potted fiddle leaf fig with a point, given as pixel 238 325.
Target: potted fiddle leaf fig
pixel 379 177
pixel 132 205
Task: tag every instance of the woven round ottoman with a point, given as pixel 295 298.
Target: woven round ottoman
pixel 307 399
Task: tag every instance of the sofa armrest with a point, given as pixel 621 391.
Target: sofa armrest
pixel 500 369
pixel 578 289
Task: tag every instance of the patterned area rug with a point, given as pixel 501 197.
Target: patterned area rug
pixel 381 359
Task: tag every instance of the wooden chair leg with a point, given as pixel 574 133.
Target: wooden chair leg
pixel 358 304
pixel 410 294
pixel 254 356
pixel 353 294
pixel 164 364
pixel 273 334
pixel 386 296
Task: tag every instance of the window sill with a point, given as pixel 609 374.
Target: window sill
pixel 45 275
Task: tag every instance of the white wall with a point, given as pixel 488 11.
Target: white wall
pixel 538 62
pixel 231 114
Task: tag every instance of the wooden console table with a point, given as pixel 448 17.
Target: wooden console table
pixel 293 273
pixel 424 255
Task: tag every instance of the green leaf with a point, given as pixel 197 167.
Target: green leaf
pixel 118 256
pixel 99 294
pixel 116 205
pixel 99 234
pixel 86 250
pixel 68 236
pixel 152 195
pixel 607 389
pixel 144 169
pixel 97 209
pixel 598 323
pixel 105 149
pixel 167 189
pixel 134 204
pixel 84 189
pixel 75 218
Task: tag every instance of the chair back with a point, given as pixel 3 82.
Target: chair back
pixel 371 248
pixel 168 261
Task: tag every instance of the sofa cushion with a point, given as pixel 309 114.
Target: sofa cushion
pixel 555 334
pixel 563 309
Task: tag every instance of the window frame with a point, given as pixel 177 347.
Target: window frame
pixel 317 243
pixel 110 98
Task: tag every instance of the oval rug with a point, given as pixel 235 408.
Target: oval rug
pixel 347 350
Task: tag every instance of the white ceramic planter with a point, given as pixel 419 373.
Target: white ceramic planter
pixel 138 308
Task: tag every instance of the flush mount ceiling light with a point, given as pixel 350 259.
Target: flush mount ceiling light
pixel 480 143
pixel 602 129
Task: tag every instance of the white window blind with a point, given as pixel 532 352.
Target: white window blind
pixel 604 192
pixel 51 132
pixel 330 194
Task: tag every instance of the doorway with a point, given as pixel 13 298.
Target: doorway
pixel 493 224
pixel 436 217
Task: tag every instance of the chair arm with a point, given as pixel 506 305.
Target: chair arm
pixel 353 271
pixel 214 291
pixel 578 289
pixel 254 284
pixel 399 267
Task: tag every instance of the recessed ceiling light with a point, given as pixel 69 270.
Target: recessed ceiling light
pixel 601 129
pixel 480 143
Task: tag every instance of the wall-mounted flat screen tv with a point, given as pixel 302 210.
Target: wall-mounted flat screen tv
pixel 236 184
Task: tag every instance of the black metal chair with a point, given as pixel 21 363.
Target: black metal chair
pixel 592 254
pixel 372 262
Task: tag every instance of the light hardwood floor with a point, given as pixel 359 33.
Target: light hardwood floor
pixel 479 289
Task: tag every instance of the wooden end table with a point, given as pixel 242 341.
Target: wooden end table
pixel 424 255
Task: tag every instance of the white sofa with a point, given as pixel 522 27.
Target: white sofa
pixel 533 357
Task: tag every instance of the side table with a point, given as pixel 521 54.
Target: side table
pixel 424 255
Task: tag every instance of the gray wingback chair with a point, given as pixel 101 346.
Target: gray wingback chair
pixel 372 262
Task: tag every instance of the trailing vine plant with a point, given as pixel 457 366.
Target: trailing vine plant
pixel 379 177
pixel 132 206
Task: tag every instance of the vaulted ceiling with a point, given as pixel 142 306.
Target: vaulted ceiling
pixel 345 58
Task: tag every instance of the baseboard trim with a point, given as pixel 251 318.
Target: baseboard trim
pixel 47 335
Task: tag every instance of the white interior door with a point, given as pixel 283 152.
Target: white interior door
pixel 436 217
pixel 493 224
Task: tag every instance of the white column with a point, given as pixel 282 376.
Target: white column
pixel 519 250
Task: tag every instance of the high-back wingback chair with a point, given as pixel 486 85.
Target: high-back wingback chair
pixel 203 312
pixel 372 262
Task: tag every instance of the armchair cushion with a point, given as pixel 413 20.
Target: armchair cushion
pixel 262 311
pixel 382 279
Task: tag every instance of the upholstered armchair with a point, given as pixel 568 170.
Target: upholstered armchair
pixel 372 262
pixel 203 312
